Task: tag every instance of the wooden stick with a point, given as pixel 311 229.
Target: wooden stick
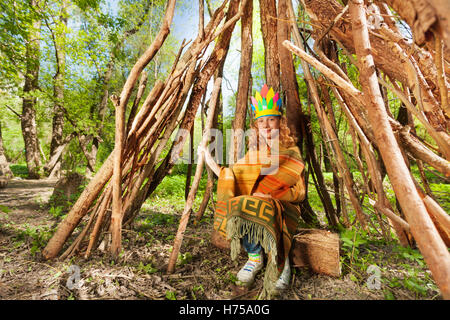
pixel 117 214
pixel 137 99
pixel 210 181
pixel 443 141
pixel 389 213
pixel 198 174
pixel 438 57
pixel 101 213
pixel 95 186
pixel 348 87
pixel 439 214
pixel 421 152
pixel 148 54
pixel 201 19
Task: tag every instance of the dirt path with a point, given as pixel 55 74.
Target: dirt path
pixel 26 199
pixel 203 271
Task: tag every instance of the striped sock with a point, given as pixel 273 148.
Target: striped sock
pixel 255 257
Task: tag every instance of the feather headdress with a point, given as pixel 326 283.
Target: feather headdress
pixel 266 103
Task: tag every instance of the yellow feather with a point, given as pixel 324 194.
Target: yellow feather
pixel 269 95
pixel 258 96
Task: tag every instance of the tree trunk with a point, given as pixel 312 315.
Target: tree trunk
pixel 58 93
pixel 269 32
pixel 243 82
pixel 430 244
pixel 289 84
pixel 28 118
pixel 5 171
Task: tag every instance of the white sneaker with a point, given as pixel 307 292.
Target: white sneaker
pixel 248 272
pixel 285 277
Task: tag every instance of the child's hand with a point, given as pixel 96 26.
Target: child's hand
pixel 262 195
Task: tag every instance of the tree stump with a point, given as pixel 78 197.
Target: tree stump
pixel 317 249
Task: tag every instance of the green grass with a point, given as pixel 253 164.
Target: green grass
pixel 169 195
pixel 398 267
pixel 19 170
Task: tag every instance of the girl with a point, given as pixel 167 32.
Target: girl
pixel 257 196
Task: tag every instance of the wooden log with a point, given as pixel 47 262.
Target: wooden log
pixel 318 250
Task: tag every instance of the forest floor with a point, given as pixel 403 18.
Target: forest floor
pixel 203 271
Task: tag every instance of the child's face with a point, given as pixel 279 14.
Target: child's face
pixel 266 124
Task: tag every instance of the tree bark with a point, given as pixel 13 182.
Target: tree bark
pixel 430 244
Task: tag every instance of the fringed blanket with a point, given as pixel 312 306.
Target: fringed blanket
pixel 269 221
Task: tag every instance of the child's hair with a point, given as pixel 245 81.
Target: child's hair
pixel 286 138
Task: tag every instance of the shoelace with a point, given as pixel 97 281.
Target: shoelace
pixel 250 266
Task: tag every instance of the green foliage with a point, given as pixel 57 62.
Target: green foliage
pixel 38 237
pixel 146 268
pixel 157 219
pixel 170 295
pixel 4 209
pixel 56 211
pixel 352 239
pixel 19 170
pixel 184 258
